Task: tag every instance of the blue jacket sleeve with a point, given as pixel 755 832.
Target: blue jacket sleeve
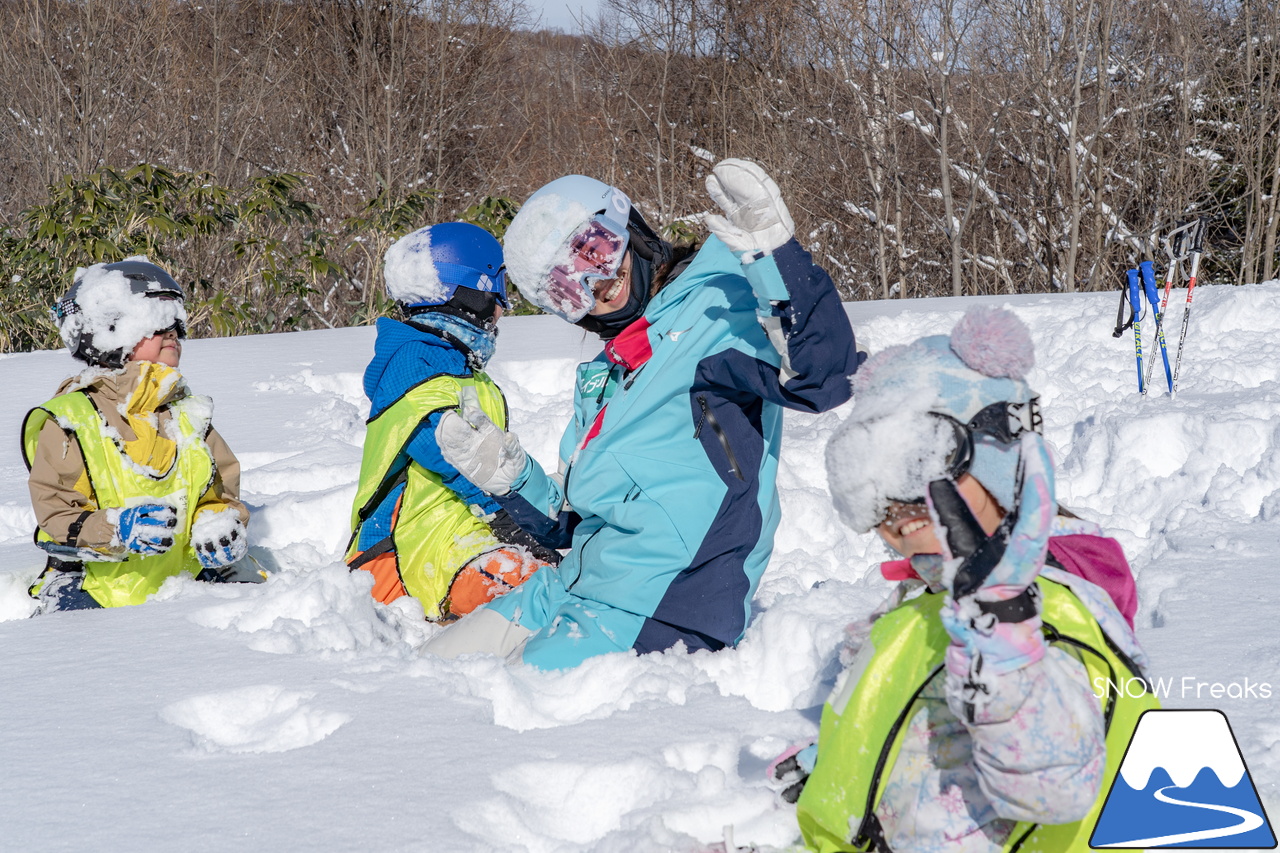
pixel 809 329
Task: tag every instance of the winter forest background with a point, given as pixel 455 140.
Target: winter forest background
pixel 926 147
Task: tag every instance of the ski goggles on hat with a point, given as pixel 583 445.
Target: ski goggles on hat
pixel 176 326
pixel 595 253
pixel 1003 422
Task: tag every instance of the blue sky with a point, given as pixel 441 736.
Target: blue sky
pixel 559 14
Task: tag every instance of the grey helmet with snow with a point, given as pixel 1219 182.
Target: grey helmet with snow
pixel 453 268
pixel 574 232
pixel 938 407
pixel 111 307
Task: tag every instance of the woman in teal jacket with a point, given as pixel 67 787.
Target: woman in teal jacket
pixel 665 491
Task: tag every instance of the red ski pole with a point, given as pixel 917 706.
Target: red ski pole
pixel 1197 250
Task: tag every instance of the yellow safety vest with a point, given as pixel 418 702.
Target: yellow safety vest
pixel 858 745
pixel 116 480
pixel 434 533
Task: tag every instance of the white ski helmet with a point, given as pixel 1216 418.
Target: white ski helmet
pixel 111 307
pixel 568 234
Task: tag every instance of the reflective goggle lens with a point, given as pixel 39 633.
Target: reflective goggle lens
pixel 595 253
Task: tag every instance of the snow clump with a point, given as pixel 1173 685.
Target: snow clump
pixel 410 272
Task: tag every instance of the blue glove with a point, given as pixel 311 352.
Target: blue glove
pixel 146 529
pixel 218 537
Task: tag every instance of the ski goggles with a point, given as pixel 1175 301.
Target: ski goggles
pixel 595 254
pixel 1003 422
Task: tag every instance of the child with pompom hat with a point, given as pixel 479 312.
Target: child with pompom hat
pixel 979 710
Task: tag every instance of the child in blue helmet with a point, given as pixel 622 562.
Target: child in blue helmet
pixel 665 488
pixel 419 526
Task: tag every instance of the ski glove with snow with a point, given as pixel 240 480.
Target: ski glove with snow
pixel 218 537
pixel 146 529
pixel 482 452
pixel 993 607
pixel 756 220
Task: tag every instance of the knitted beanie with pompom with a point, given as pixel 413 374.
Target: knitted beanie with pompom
pixel 889 448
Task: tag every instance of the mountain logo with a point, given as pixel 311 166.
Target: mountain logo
pixel 1183 783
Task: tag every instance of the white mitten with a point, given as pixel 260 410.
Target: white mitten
pixel 755 217
pixel 483 453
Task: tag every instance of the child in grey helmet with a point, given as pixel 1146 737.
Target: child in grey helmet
pixel 130 482
pixel 977 711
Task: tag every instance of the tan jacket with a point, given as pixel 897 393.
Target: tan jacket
pixel 59 483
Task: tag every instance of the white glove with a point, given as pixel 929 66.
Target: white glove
pixel 756 218
pixel 483 453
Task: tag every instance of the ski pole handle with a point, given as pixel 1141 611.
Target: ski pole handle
pixel 1148 271
pixel 1197 238
pixel 1135 302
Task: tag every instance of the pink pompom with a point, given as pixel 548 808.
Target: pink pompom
pixel 994 342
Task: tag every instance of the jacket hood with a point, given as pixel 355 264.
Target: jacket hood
pixel 711 259
pixel 393 336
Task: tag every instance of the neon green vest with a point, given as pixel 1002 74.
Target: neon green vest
pixel 116 481
pixel 435 533
pixel 858 745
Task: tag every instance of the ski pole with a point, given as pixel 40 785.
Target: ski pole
pixel 1135 303
pixel 1173 242
pixel 1153 296
pixel 1197 250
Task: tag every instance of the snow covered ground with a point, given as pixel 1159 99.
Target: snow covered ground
pixel 297 714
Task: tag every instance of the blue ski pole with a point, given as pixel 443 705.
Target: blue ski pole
pixel 1153 299
pixel 1135 302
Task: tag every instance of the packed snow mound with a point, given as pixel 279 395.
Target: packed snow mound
pixel 281 715
pixel 264 718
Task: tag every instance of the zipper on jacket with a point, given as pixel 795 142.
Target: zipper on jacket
pixel 710 419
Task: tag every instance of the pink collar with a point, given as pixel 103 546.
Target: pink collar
pixel 631 347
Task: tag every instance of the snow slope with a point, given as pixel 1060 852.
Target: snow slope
pixel 297 714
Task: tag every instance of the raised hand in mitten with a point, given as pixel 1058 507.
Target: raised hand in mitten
pixel 755 217
pixel 993 611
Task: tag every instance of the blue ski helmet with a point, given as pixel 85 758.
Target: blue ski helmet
pixel 568 235
pixel 425 269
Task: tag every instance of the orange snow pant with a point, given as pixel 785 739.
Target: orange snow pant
pixel 481 580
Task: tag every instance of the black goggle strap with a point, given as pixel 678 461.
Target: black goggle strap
pixel 1003 421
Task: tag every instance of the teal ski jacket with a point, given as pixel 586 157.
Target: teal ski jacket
pixel 666 488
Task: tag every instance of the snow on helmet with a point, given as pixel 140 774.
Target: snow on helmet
pixel 111 307
pixel 569 234
pixel 939 407
pixel 425 269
